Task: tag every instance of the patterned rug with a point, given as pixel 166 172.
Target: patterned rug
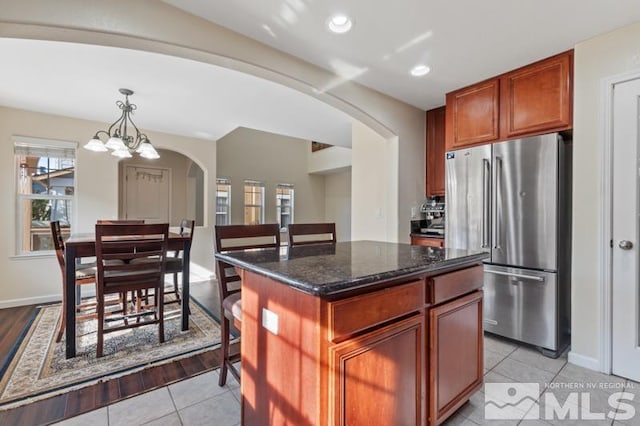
pixel 40 370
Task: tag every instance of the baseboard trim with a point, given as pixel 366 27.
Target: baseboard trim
pixel 584 361
pixel 12 303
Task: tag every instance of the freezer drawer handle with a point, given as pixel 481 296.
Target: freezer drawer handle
pixel 510 274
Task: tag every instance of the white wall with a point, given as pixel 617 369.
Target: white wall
pixel 373 185
pixel 337 205
pixel 328 160
pixel 158 27
pixel 38 279
pixel 272 159
pixel 607 55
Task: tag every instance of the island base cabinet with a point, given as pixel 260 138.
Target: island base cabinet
pixel 376 379
pixel 455 355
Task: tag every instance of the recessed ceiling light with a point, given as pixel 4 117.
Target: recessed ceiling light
pixel 420 70
pixel 339 23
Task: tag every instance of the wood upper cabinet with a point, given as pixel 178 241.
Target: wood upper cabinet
pixel 472 115
pixel 455 355
pixel 537 97
pixel 435 151
pixel 531 100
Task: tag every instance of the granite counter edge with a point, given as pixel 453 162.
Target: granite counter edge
pixel 337 287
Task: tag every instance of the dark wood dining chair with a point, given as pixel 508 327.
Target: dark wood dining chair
pixel 236 237
pixel 316 232
pixel 131 258
pixel 174 261
pixel 124 298
pixel 85 275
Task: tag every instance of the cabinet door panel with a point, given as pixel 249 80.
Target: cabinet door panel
pixel 472 115
pixel 455 354
pixel 538 97
pixel 378 376
pixel 435 151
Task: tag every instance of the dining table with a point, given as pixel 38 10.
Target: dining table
pixel 82 245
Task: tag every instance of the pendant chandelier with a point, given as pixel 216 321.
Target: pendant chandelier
pixel 119 141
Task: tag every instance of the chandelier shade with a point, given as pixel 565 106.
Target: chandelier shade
pixel 118 140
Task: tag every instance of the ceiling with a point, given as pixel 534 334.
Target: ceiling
pixel 463 41
pixel 173 95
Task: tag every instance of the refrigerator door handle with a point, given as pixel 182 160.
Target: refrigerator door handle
pixel 511 274
pixel 486 187
pixel 498 204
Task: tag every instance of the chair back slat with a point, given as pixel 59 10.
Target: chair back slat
pixel 120 221
pixel 321 232
pixel 241 237
pixel 131 257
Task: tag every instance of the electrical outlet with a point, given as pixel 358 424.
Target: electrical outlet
pixel 270 321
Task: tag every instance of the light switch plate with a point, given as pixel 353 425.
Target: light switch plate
pixel 270 321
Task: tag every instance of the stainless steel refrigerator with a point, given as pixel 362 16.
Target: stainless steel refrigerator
pixel 513 199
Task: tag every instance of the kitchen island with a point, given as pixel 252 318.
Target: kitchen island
pixel 358 333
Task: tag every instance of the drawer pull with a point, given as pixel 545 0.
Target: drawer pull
pixel 524 277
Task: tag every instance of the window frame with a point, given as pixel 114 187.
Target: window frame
pixel 289 187
pixel 255 184
pixel 48 148
pixel 227 182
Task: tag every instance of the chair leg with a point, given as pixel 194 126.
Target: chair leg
pixel 175 285
pixel 125 307
pixel 61 328
pixel 100 343
pixel 159 296
pixel 225 329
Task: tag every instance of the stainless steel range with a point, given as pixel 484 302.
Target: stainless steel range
pixel 513 199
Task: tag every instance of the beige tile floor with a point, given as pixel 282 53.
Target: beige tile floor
pixel 199 400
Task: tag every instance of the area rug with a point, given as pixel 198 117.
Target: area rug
pixel 40 370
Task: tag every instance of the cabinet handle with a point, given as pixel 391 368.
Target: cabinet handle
pixel 511 274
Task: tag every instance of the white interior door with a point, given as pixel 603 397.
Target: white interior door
pixel 625 280
pixel 147 194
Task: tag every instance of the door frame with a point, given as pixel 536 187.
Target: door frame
pixel 606 217
pixel 125 184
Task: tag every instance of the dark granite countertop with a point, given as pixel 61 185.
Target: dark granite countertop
pixel 327 269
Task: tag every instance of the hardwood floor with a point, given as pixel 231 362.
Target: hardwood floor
pixel 14 321
pixel 99 395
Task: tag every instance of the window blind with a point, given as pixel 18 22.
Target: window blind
pixel 33 147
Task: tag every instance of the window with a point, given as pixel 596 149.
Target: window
pixel 253 202
pixel 45 187
pixel 223 201
pixel 284 204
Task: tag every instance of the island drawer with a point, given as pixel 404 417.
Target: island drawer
pixel 455 284
pixel 352 315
